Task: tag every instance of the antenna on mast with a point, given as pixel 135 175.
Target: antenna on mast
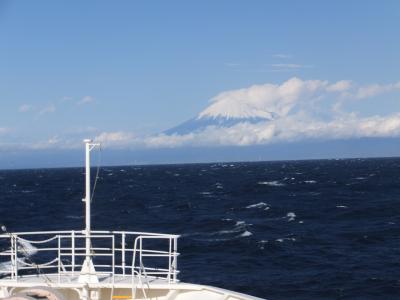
pixel 88 273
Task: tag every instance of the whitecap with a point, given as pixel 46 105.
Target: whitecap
pixel 310 181
pixel 205 193
pixel 271 183
pixel 246 233
pixel 219 185
pixel 240 223
pixel 222 232
pixel 262 244
pixel 291 216
pixel 257 205
pixel 341 206
pixel 281 240
pixel 6 267
pixel 26 248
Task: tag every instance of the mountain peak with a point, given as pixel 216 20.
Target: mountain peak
pixel 234 110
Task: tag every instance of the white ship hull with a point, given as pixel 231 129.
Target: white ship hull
pixel 123 290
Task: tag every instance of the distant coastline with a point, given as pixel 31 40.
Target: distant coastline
pixel 305 150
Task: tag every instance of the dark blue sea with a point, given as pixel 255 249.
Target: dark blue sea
pixel 323 229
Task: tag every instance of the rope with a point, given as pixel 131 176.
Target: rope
pixel 37 242
pixel 46 278
pixel 40 265
pixel 97 173
pixel 14 249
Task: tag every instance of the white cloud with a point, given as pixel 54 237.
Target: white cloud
pixel 290 128
pixel 282 55
pixel 340 86
pixel 287 66
pixel 376 89
pixel 25 108
pixel 4 130
pixel 51 108
pixel 117 138
pixel 287 129
pixel 53 142
pixel 263 100
pixel 279 100
pixel 294 108
pixel 86 100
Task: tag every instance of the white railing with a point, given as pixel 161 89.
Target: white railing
pixel 114 253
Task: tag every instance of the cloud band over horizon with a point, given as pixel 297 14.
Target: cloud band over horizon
pixel 294 110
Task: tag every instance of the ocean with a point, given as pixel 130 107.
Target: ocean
pixel 322 229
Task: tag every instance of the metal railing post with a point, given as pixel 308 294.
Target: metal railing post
pixel 113 257
pixel 140 255
pixel 73 252
pixel 175 261
pixel 59 259
pixel 170 267
pixel 123 253
pixel 12 258
pixel 16 256
pixel 134 258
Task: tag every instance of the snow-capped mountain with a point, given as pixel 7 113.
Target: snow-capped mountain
pixel 224 112
pixel 257 103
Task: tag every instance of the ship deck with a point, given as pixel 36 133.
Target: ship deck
pixel 105 281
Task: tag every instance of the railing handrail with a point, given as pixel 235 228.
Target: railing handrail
pixel 3 235
pixel 119 254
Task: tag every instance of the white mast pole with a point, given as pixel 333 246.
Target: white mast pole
pixel 87 196
pixel 88 271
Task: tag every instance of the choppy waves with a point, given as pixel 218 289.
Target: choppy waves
pixel 281 230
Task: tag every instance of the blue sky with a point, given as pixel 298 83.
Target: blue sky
pixel 136 68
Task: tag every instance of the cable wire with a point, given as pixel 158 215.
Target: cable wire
pixel 97 173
